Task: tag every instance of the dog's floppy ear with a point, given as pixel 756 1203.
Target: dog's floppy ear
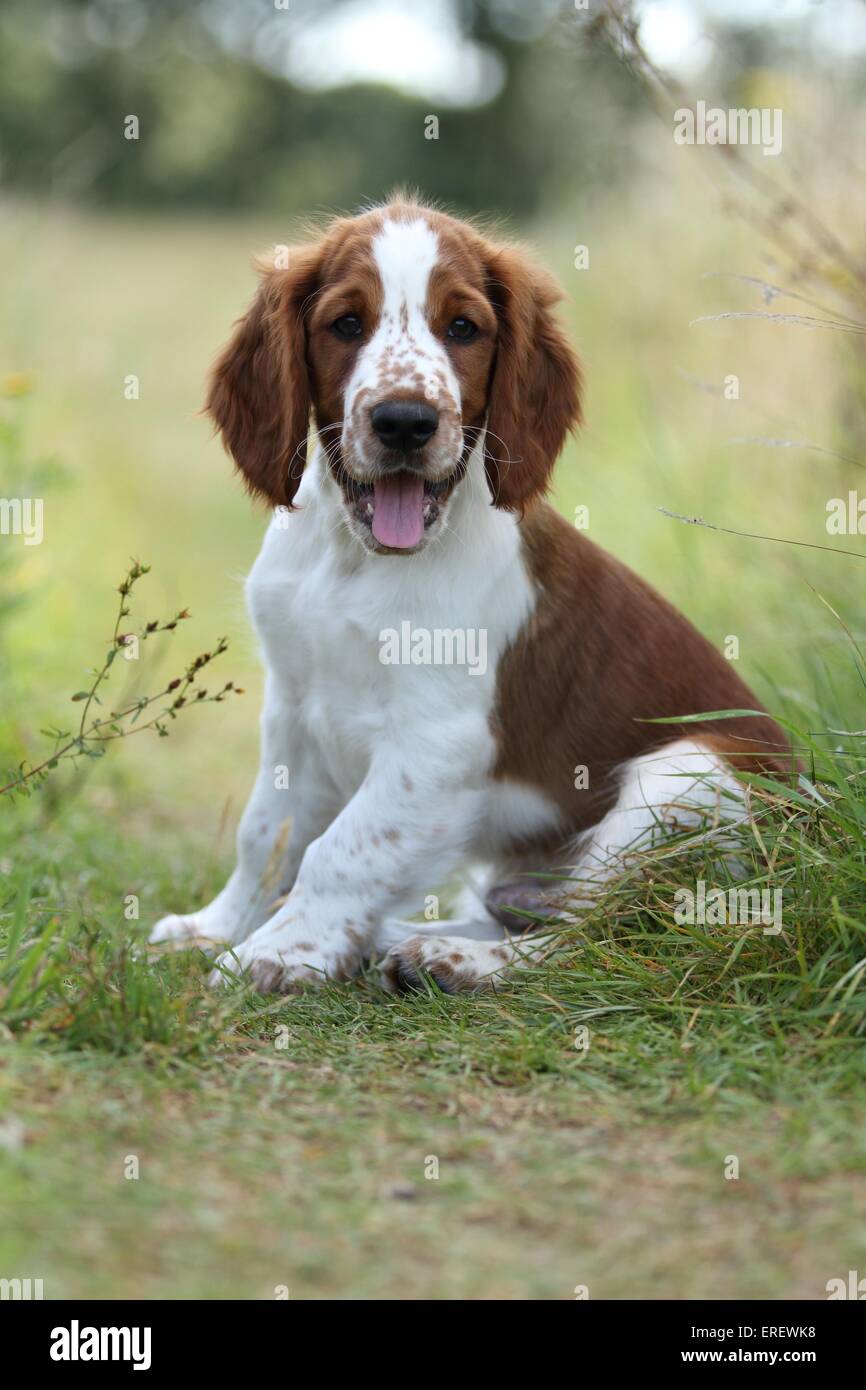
pixel 259 393
pixel 534 395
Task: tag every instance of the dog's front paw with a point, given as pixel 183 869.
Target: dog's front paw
pixel 274 969
pixel 456 964
pixel 181 933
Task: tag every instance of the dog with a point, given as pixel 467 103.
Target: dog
pixel 455 676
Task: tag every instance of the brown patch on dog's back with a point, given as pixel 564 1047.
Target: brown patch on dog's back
pixel 602 652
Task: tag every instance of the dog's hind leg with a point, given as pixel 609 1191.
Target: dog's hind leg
pixel 684 787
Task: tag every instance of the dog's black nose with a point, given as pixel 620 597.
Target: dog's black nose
pixel 405 425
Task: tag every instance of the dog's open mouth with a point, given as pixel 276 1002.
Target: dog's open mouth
pixel 400 507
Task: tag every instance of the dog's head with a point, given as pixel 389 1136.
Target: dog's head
pixel 406 335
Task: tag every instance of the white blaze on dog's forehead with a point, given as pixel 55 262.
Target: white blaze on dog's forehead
pixel 403 345
pixel 405 253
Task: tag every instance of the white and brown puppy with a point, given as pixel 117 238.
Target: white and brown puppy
pixel 442 649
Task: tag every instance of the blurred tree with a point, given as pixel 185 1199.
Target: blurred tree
pixel 220 126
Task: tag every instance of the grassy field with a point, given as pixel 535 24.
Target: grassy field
pixel 293 1144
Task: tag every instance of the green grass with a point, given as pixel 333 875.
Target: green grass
pixel 303 1165
pixel 286 1142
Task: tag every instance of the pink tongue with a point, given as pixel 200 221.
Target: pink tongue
pixel 398 511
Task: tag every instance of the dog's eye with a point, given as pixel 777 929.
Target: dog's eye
pixel 349 326
pixel 463 330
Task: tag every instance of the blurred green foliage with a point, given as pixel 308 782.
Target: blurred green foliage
pixel 221 127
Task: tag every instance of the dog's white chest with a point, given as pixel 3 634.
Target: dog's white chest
pixel 374 655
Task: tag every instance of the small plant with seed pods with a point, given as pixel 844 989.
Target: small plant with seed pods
pixel 97 729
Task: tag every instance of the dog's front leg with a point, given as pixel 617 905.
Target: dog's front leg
pixel 291 803
pixel 401 835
